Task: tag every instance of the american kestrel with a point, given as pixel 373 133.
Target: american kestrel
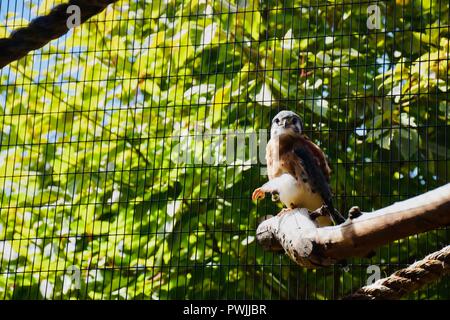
pixel 298 171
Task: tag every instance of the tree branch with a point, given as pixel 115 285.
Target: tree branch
pixel 310 246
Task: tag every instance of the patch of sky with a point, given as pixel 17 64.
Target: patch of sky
pixel 361 131
pixel 413 173
pixel 53 136
pixel 325 92
pixel 385 64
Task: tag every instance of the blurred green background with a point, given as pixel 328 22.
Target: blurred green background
pixel 92 127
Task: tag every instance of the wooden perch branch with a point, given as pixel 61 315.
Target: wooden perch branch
pixel 310 246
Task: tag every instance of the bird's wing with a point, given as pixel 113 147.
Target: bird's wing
pixel 314 163
pixel 318 155
pixel 315 175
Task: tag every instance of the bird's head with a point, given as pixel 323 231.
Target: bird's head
pixel 286 123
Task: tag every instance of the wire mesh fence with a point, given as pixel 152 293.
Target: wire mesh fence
pixel 130 146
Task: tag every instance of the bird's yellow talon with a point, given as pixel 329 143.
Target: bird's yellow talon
pixel 258 194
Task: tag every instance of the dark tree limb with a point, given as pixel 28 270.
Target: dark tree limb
pixel 43 29
pixel 309 246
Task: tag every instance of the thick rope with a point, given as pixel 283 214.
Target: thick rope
pixel 43 29
pixel 404 281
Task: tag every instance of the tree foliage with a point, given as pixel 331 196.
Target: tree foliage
pixel 110 149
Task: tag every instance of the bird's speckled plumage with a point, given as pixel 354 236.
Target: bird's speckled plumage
pixel 297 168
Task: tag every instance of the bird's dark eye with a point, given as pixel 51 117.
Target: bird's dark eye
pixel 294 121
pixel 277 120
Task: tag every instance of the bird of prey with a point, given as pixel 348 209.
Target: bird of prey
pixel 298 171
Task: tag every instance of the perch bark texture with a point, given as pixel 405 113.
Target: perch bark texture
pixel 312 247
pixel 408 280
